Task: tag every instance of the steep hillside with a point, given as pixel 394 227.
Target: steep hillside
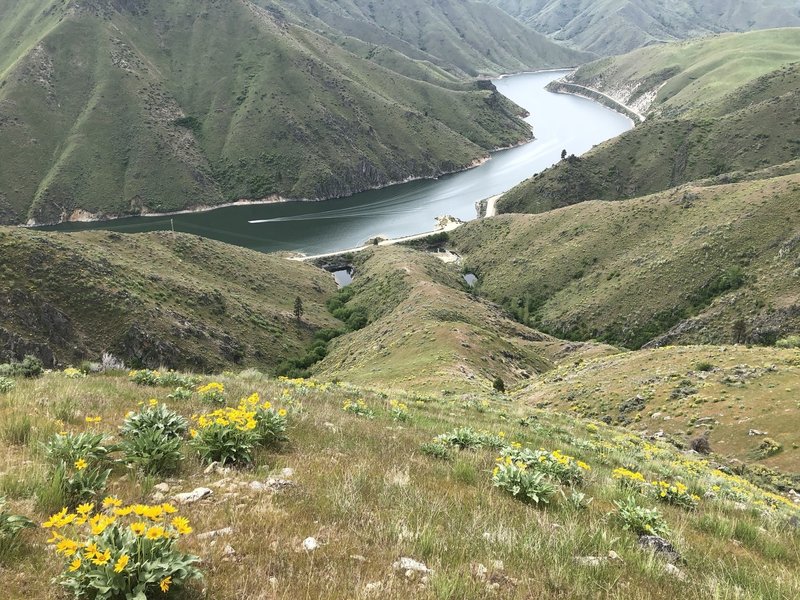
pixel 469 37
pixel 426 331
pixel 609 27
pixel 726 394
pixel 113 108
pixel 718 107
pixel 682 266
pixel 153 300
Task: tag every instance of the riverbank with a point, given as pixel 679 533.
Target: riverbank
pixel 573 89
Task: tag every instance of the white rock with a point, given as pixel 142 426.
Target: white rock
pixel 229 551
pixel 614 556
pixel 161 487
pixel 358 557
pixel 590 561
pixel 193 496
pixel 671 569
pixel 157 497
pixel 373 587
pixel 216 533
pixel 310 544
pixel 409 564
pixel 287 472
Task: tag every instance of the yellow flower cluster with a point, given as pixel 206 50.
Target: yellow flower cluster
pixel 73 373
pixel 628 476
pixel 211 387
pixel 398 405
pixel 151 525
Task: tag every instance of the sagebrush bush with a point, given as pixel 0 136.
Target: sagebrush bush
pixel 30 368
pixel 6 385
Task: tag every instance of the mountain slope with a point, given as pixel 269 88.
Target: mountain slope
pixel 724 106
pixel 681 266
pixel 609 27
pixel 426 331
pixel 154 300
pixel 114 108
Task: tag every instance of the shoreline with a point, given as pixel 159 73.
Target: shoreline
pixel 574 89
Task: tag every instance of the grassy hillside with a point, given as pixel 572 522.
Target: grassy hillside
pixel 115 108
pixel 468 37
pixel 686 392
pixel 153 300
pixel 617 26
pixel 681 266
pixel 427 332
pixel 367 494
pixel 716 108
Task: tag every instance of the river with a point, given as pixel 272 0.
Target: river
pixel 560 122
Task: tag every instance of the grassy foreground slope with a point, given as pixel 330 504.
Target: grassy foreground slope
pixel 609 27
pixel 426 331
pixel 367 494
pixel 715 108
pixel 153 300
pixel 681 266
pixel 114 108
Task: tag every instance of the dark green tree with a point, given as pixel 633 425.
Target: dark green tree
pixel 298 309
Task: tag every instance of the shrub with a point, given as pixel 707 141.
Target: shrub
pixel 213 393
pixel 173 379
pixel 180 393
pixel 359 408
pixel 499 385
pixel 155 418
pixel 70 447
pixel 556 465
pixel 30 368
pixel 674 493
pixel 704 366
pixel 226 436
pixel 768 447
pixel 121 551
pixel 522 483
pixel 10 527
pixel 792 341
pixel 436 450
pixel 629 479
pixel 6 385
pixel 641 520
pixel 153 452
pixel 145 377
pixel 398 411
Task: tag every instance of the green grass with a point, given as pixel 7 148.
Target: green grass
pixel 608 27
pixel 366 493
pixel 154 299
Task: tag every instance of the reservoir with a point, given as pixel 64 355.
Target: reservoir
pixel 560 122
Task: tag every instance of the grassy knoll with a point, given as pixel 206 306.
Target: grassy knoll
pixel 682 266
pixel 609 27
pixel 154 299
pixel 426 331
pixel 368 495
pixel 716 108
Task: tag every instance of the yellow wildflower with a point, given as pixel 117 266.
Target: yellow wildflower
pixel 84 509
pixel 282 412
pixel 75 565
pixel 165 583
pixel 138 528
pixel 81 464
pixel 181 525
pixel 101 558
pixel 122 562
pixel 155 533
pixel 110 501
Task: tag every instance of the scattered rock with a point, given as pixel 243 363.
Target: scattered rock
pixel 590 561
pixel 216 467
pixel 659 545
pixel 161 487
pixel 193 496
pixel 310 544
pixel 287 473
pixel 228 553
pixel 671 569
pixel 614 556
pixel 755 432
pixel 410 566
pixel 157 497
pixel 216 533
pixel 358 557
pixel 373 587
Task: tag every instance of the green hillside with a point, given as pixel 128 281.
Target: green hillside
pixel 113 108
pixel 721 107
pixel 608 27
pixel 153 300
pixel 427 332
pixel 681 266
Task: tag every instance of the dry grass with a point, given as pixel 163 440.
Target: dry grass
pixel 369 496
